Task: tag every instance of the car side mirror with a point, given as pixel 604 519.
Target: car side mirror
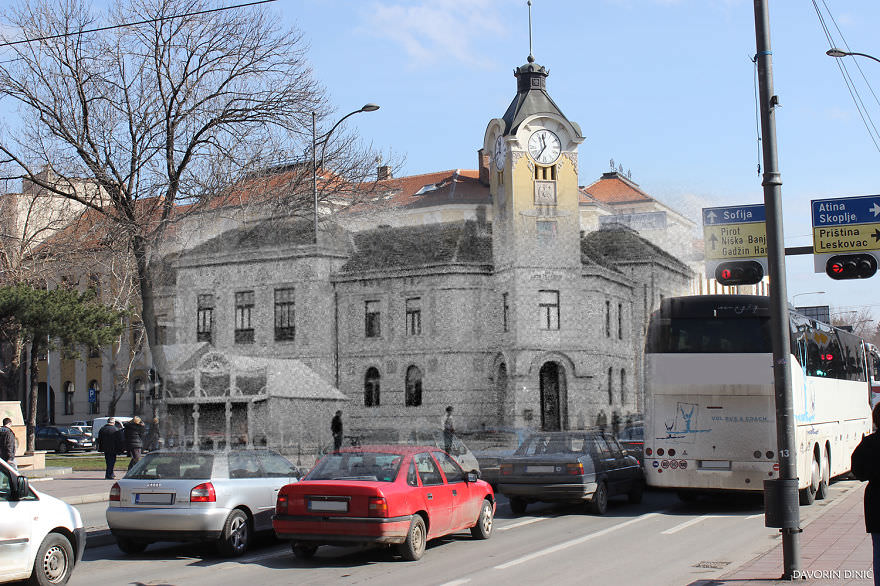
pixel 21 488
pixel 473 476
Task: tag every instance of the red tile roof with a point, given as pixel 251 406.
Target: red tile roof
pixel 613 188
pixel 429 189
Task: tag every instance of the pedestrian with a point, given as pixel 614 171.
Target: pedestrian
pixel 134 432
pixel 8 443
pixel 866 466
pixel 108 443
pixel 615 423
pixel 602 420
pixel 336 430
pixel 153 436
pixel 448 430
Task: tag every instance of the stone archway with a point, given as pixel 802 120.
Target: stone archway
pixel 554 399
pixel 501 398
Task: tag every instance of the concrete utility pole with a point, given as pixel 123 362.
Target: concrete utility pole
pixel 783 493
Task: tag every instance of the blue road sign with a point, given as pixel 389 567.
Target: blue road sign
pixel 734 215
pixel 91 395
pixel 843 211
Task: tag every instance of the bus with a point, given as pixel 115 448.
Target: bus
pixel 873 354
pixel 710 420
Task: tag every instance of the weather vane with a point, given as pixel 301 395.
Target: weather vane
pixel 531 57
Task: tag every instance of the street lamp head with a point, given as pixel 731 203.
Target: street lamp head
pixel 835 52
pixel 370 108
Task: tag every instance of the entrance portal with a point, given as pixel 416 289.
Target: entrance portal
pixel 553 396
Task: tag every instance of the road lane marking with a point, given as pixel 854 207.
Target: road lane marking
pixel 684 525
pixel 457 582
pixel 755 516
pixel 573 542
pixel 521 523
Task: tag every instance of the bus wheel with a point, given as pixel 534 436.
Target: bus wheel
pixel 808 495
pixel 822 491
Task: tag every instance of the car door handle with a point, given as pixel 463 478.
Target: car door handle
pixel 430 496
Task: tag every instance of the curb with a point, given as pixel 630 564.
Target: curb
pixel 99 538
pixel 83 499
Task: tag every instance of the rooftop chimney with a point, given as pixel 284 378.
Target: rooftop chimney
pixel 383 172
pixel 483 166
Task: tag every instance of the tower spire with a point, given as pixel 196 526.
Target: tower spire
pixel 531 58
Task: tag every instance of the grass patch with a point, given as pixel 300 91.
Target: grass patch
pixel 89 462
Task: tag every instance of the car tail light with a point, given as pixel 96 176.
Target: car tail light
pixel 115 492
pixel 281 504
pixel 507 469
pixel 576 469
pixel 203 493
pixel 377 507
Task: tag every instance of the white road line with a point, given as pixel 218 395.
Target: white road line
pixel 521 523
pixel 573 542
pixel 457 582
pixel 755 516
pixel 685 525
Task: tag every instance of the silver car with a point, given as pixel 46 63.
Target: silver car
pixel 222 496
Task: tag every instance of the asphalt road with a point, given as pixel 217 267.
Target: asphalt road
pixel 662 541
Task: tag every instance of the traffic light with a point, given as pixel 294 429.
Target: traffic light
pixel 851 266
pixel 740 272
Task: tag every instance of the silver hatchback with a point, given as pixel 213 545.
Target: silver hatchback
pixel 222 496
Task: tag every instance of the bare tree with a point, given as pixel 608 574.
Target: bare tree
pixel 861 321
pixel 166 118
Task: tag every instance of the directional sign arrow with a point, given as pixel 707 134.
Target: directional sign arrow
pixel 876 235
pixel 711 217
pixel 875 208
pixel 713 239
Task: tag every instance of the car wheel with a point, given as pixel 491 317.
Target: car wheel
pixel 236 534
pixel 808 495
pixel 130 545
pixel 414 546
pixel 822 491
pixel 54 561
pixel 303 551
pixel 63 448
pixel 599 504
pixel 483 528
pixel 518 505
pixel 637 492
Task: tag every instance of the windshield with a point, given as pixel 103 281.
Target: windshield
pixel 366 466
pixel 709 335
pixel 69 431
pixel 173 466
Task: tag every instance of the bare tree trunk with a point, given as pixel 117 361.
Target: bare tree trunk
pixel 32 404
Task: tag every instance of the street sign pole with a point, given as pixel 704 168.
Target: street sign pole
pixel 772 183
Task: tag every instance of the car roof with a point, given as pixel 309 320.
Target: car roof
pixel 401 449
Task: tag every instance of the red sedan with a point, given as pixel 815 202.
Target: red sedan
pixel 401 495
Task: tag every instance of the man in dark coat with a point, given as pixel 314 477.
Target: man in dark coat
pixel 866 466
pixel 108 443
pixel 336 430
pixel 7 442
pixel 134 431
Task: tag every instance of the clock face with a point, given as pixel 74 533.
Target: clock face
pixel 544 146
pixel 500 152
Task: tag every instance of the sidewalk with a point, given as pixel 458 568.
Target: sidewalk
pixel 76 488
pixel 835 549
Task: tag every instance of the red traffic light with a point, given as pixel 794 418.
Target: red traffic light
pixel 740 272
pixel 851 266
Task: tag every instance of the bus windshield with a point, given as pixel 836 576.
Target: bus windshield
pixel 709 335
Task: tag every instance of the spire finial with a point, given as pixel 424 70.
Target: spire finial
pixel 531 58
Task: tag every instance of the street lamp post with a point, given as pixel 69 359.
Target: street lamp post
pixel 835 52
pixel 326 137
pixel 807 293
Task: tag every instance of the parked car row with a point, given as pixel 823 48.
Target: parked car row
pixel 62 439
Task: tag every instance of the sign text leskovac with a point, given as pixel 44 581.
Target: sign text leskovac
pixel 734 233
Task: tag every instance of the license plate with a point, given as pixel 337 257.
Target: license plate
pixel 540 469
pixel 153 498
pixel 333 506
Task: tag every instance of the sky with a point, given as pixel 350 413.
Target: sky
pixel 666 88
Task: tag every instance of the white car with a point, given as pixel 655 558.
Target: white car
pixel 41 538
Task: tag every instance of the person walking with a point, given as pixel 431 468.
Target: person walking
pixel 448 430
pixel 134 432
pixel 866 466
pixel 8 442
pixel 336 430
pixel 108 444
pixel 153 436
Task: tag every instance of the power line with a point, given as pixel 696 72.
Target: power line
pixel 128 24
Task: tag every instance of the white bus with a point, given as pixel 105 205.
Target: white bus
pixel 873 354
pixel 710 409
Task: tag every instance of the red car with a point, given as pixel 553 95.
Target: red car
pixel 403 495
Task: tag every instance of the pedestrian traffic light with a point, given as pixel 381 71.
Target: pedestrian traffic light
pixel 851 266
pixel 739 272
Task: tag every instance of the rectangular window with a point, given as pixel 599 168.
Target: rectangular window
pixel 548 302
pixel 414 316
pixel 546 232
pixel 285 328
pixel 244 307
pixel 505 312
pixel 610 385
pixel 68 403
pixel 620 321
pixel 607 319
pixel 205 318
pixel 372 319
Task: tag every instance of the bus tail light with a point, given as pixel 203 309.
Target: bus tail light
pixel 649 452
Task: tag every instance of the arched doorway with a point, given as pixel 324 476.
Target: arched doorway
pixel 553 396
pixel 45 416
pixel 501 400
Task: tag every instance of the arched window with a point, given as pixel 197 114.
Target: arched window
pixel 68 398
pixel 413 386
pixel 610 390
pixel 94 391
pixel 371 388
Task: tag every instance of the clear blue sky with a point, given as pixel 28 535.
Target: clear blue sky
pixel 664 87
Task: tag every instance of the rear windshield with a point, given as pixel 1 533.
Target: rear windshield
pixel 173 466
pixel 708 335
pixel 366 466
pixel 542 443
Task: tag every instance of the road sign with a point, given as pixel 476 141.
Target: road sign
pixel 92 395
pixel 845 225
pixel 734 232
